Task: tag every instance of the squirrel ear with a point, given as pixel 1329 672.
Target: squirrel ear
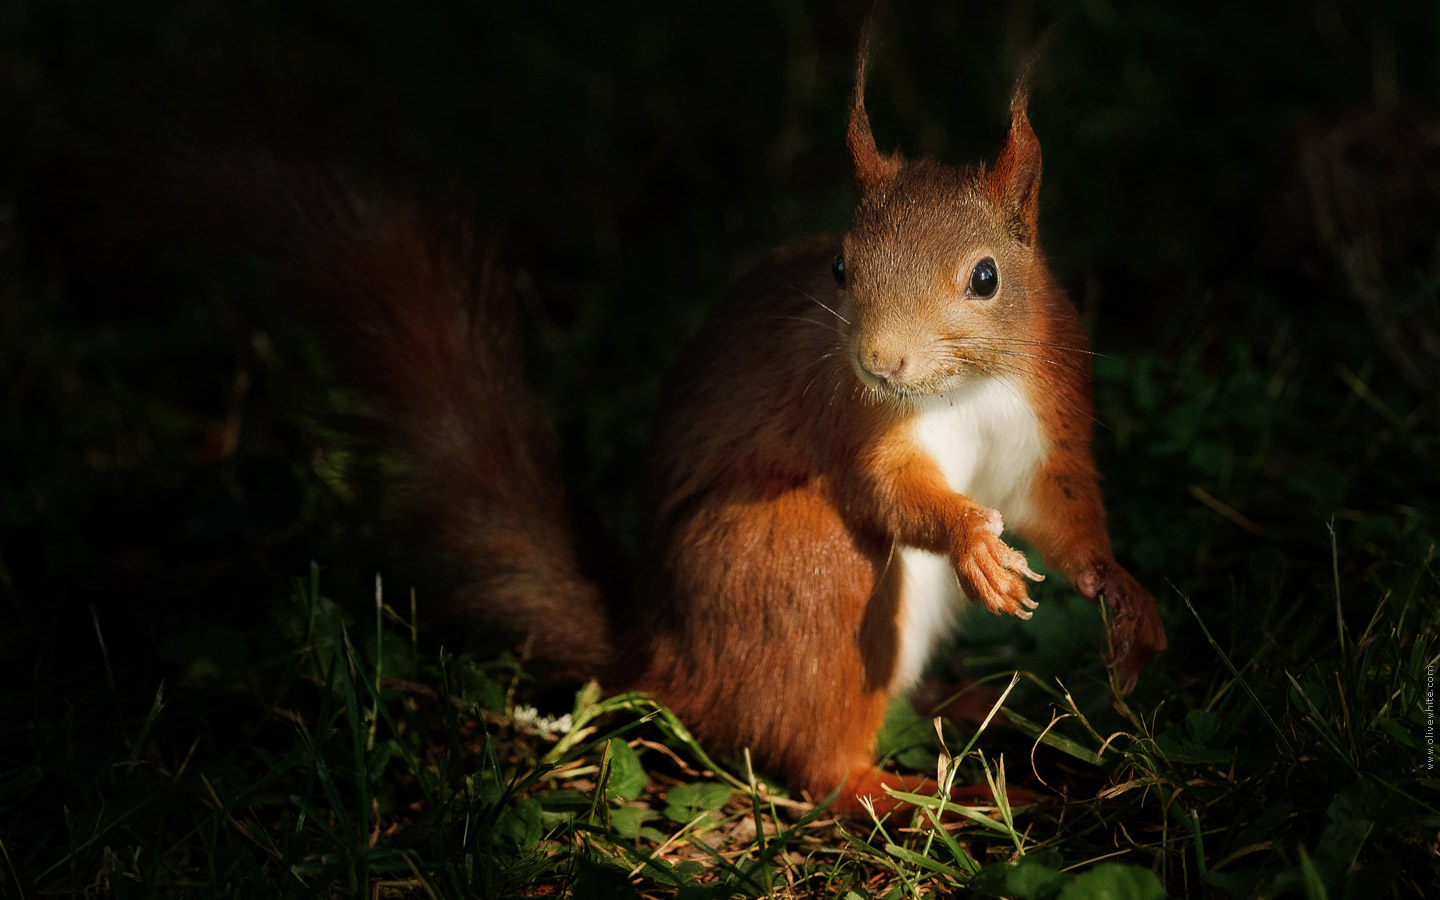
pixel 870 167
pixel 1014 180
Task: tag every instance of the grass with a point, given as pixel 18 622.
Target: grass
pixel 210 693
pixel 1279 749
pixel 365 766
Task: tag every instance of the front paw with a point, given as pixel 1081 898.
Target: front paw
pixel 992 572
pixel 1136 633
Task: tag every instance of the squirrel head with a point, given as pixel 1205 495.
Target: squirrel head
pixel 940 274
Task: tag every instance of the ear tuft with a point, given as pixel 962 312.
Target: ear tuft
pixel 870 166
pixel 1014 180
pixel 1015 177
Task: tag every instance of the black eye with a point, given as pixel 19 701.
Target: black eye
pixel 984 278
pixel 837 268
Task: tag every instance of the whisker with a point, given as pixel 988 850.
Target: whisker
pixel 953 345
pixel 818 363
pixel 1024 342
pixel 1046 344
pixel 1070 366
pixel 958 361
pixel 818 324
pixel 813 299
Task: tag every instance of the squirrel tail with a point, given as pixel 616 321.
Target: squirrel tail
pixel 422 325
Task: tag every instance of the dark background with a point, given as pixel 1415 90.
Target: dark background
pixel 633 160
pixel 1243 200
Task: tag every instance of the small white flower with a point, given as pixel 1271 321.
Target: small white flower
pixel 549 726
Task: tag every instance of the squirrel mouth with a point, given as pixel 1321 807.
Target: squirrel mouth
pixel 916 370
pixel 906 391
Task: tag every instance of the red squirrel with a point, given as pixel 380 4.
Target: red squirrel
pixel 838 453
pixel 836 456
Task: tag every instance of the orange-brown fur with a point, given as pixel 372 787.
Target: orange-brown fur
pixel 768 605
pixel 784 484
pixel 423 327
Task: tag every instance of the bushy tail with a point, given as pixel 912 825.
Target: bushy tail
pixel 423 327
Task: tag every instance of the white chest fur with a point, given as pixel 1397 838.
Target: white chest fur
pixel 986 440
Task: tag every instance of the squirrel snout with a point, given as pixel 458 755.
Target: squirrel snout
pixel 885 364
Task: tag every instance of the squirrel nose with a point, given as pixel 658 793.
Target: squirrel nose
pixel 882 364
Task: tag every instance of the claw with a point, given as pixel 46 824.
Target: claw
pixel 991 572
pixel 1135 632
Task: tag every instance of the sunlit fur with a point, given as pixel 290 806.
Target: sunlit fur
pixel 986 441
pixel 829 462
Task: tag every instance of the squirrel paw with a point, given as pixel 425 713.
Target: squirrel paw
pixel 992 572
pixel 1136 632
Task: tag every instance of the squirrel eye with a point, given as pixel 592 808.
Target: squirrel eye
pixel 837 268
pixel 984 278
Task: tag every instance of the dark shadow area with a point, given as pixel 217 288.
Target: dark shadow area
pixel 1243 200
